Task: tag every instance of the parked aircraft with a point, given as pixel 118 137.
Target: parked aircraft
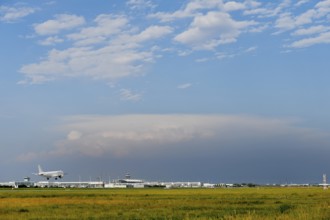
pixel 49 174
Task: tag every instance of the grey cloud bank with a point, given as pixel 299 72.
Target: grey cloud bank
pixel 200 145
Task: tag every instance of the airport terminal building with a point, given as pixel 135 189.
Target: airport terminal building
pixel 127 182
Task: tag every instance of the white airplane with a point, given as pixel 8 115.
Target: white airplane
pixel 49 174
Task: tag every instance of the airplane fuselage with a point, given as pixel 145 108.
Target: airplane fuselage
pixel 50 174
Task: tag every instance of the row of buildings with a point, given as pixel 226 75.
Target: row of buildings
pixel 127 182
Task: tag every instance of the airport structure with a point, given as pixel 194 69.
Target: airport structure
pixel 128 182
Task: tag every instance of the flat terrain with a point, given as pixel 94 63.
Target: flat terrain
pixel 229 203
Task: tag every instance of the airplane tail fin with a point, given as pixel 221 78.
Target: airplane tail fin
pixel 40 169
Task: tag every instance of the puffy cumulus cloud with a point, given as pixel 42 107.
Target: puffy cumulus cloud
pixel 212 23
pixel 61 22
pixel 139 136
pixel 111 48
pixel 13 14
pixel 106 25
pixel 210 30
pixel 108 63
pixel 122 56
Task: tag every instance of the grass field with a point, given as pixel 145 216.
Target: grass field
pixel 229 203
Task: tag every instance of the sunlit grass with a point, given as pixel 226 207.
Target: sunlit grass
pixel 228 204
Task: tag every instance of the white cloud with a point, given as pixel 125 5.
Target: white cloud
pixel 122 56
pixel 74 135
pixel 52 40
pixel 323 38
pixel 311 30
pixel 267 10
pixel 13 14
pixel 323 4
pixel 306 17
pixel 112 48
pixel 106 26
pixel 285 22
pixel 108 63
pixel 288 20
pixel 250 49
pixel 301 2
pixel 190 10
pixel 198 7
pixel 153 32
pixel 234 6
pixel 61 22
pixel 140 4
pixel 184 86
pixel 313 21
pixel 128 95
pixel 262 12
pixel 323 8
pixel 152 135
pixel 210 30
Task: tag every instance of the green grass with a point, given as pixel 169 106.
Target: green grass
pixel 228 204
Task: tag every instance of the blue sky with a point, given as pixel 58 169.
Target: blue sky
pixel 208 90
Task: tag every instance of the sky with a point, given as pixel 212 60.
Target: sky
pixel 186 90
